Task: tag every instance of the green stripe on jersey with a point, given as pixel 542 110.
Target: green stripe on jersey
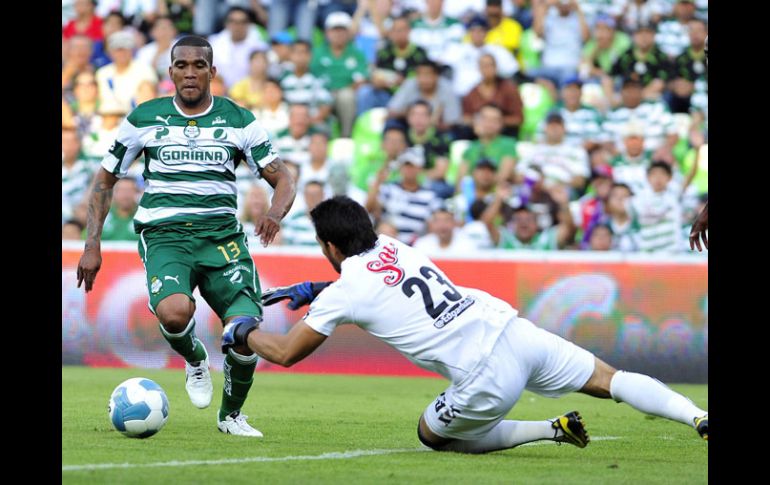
pixel 151 201
pixel 118 150
pixel 208 175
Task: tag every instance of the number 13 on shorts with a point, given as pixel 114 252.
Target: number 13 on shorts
pixel 233 248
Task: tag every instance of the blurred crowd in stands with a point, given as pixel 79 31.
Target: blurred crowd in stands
pixel 461 125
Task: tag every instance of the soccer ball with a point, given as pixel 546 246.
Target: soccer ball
pixel 138 408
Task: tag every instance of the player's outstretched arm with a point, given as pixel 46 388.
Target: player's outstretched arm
pixel 98 207
pixel 279 177
pixel 285 350
pixel 699 228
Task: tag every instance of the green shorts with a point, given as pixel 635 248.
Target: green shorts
pixel 215 258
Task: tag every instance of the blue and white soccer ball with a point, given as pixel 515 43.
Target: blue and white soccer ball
pixel 138 408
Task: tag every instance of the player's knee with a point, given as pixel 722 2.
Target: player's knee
pixel 599 383
pixel 429 438
pixel 249 321
pixel 175 313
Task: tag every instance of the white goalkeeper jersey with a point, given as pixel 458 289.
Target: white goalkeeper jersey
pixel 397 294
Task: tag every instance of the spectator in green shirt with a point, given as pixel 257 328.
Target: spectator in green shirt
pixel 525 233
pixel 119 225
pixel 605 47
pixel 342 66
pixel 488 126
pixel 396 61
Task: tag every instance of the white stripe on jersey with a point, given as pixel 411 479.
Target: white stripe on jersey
pixel 158 166
pixel 144 214
pixel 202 187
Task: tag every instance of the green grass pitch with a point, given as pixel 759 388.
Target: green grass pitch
pixel 306 419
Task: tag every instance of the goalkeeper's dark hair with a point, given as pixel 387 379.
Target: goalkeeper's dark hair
pixel 195 41
pixel 344 223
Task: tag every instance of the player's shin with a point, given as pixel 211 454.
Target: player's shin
pixel 506 434
pixel 651 396
pixel 239 375
pixel 185 343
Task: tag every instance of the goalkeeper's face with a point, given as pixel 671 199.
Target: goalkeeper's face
pixel 191 73
pixel 332 254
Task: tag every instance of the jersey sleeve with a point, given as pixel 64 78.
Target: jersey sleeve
pixel 124 150
pixel 330 309
pixel 257 148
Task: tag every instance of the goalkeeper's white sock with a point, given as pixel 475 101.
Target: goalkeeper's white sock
pixel 506 434
pixel 651 396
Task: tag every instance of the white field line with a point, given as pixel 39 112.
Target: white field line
pixel 227 461
pixel 263 459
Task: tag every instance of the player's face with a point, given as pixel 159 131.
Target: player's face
pixel 327 249
pixel 191 74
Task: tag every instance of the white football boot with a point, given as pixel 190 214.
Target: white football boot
pixel 235 424
pixel 198 383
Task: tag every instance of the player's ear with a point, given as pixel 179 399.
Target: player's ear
pixel 335 251
pixel 213 72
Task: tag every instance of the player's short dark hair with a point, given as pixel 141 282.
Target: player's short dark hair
pixel 662 165
pixel 195 41
pixel 344 223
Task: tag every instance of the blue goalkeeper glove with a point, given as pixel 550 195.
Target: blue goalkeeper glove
pixel 300 294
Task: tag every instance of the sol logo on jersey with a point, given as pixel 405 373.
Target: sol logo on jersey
pixel 387 263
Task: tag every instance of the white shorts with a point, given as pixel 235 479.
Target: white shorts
pixel 524 357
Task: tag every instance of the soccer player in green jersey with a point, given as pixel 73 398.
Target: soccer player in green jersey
pixel 189 235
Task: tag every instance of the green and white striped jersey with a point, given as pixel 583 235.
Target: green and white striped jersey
pixel 657 219
pixel 308 89
pixel 582 125
pixel 190 161
pixel 298 230
pixel 436 36
pixel 653 115
pixel 74 185
pixel 546 240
